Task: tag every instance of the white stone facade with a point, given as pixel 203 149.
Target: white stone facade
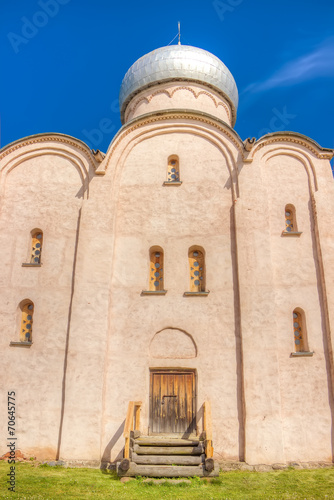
pixel 95 336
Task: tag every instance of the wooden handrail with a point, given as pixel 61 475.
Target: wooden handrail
pixel 207 428
pixel 132 422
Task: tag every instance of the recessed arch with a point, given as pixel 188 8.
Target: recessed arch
pixel 173 343
pixel 77 154
pixel 298 155
pixel 116 158
pixel 278 140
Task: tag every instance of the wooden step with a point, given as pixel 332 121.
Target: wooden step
pixel 169 450
pixel 167 470
pixel 162 441
pixel 167 459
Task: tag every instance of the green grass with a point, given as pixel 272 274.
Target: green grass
pixel 48 483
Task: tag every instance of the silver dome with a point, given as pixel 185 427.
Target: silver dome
pixel 178 62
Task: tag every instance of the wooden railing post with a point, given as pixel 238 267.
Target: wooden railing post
pixel 137 416
pixel 132 413
pixel 207 427
pixel 127 427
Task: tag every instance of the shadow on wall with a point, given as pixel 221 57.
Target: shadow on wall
pixel 69 317
pixel 84 189
pixel 105 460
pixel 199 419
pixel 195 423
pixel 322 293
pixel 238 339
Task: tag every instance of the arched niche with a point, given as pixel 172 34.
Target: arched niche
pixel 172 343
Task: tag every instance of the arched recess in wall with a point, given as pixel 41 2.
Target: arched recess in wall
pixel 42 187
pixel 279 144
pixel 294 155
pixel 173 343
pixel 290 185
pixel 74 151
pixel 226 141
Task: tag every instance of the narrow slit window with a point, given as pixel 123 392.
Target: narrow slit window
pixel 36 247
pixel 197 270
pixel 299 331
pixel 156 270
pixel 173 170
pixel 27 313
pixel 290 219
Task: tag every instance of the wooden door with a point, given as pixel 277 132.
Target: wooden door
pixel 172 402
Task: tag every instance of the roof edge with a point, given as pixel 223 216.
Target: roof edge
pixel 171 111
pixel 47 134
pixel 295 134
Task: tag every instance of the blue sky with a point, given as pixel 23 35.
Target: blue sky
pixel 64 60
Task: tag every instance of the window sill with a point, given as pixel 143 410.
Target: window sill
pixel 172 183
pixel 153 292
pixel 196 294
pixel 26 264
pixel 301 354
pixel 291 233
pixel 21 344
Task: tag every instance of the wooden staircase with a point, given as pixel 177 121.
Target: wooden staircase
pixel 165 455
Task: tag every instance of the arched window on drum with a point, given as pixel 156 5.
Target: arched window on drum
pixel 299 331
pixel 196 269
pixel 36 246
pixel 173 171
pixel 156 283
pixel 27 314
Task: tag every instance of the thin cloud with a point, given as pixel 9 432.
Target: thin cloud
pixel 318 63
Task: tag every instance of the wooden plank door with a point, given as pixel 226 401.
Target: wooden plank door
pixel 172 402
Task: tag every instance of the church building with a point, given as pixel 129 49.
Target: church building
pixel 179 286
